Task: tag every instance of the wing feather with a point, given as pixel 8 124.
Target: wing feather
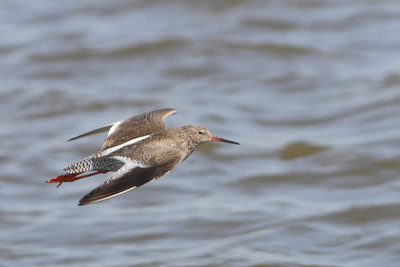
pixel 95 131
pixel 125 180
pixel 137 126
pixel 132 128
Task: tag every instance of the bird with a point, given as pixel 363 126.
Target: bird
pixel 137 150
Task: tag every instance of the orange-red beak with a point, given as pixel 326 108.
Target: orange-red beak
pixel 219 139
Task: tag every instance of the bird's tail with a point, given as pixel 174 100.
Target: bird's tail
pixel 94 164
pixel 98 165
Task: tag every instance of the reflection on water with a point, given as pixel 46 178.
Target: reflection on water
pixel 310 89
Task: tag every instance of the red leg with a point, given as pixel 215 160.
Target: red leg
pixel 71 177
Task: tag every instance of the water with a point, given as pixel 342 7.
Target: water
pixel 311 90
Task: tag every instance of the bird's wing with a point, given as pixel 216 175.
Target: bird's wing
pixel 137 126
pixel 128 177
pixel 122 131
pixel 96 131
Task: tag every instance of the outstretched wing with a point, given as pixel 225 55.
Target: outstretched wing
pixel 137 126
pixel 96 131
pixel 128 177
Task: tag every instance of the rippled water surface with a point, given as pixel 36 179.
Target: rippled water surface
pixel 311 90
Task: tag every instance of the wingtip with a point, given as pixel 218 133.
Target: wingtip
pixel 75 137
pixel 83 202
pixel 87 200
pixel 170 111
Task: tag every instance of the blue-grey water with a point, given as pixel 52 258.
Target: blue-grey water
pixel 311 90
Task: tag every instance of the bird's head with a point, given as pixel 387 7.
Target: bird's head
pixel 199 135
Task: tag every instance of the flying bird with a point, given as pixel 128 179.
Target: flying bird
pixel 138 150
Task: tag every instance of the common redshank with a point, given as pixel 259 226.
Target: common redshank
pixel 138 150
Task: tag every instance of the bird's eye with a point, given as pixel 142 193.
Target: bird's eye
pixel 200 132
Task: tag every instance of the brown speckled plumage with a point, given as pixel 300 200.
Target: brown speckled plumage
pixel 138 150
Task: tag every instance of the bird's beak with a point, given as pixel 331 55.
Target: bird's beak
pixel 219 139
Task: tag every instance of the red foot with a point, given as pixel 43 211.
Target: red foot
pixel 71 177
